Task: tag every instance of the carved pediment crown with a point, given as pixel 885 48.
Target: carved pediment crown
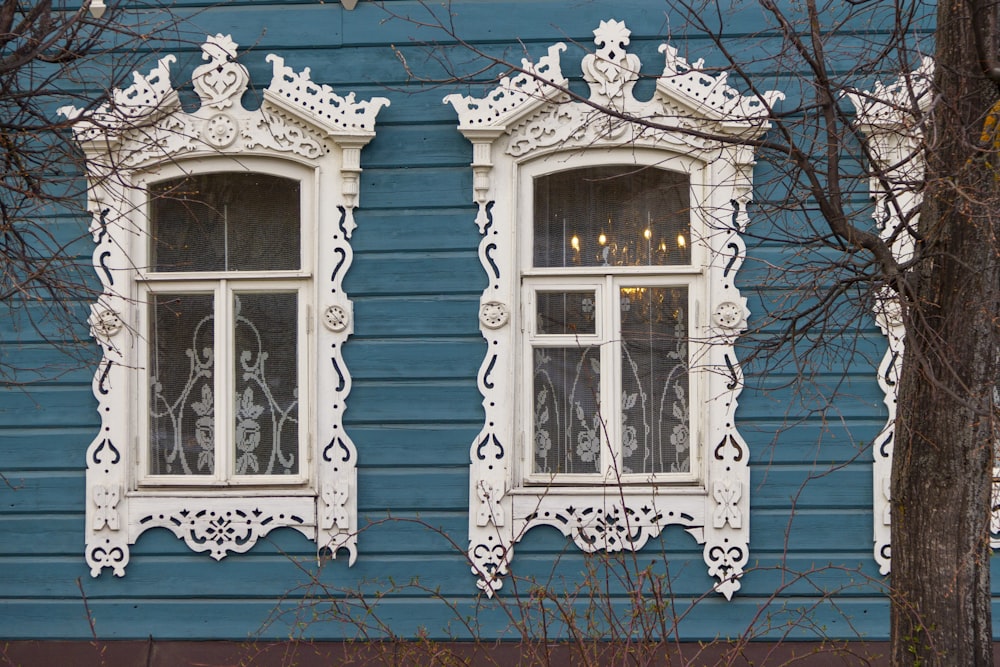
pixel 611 73
pixel 895 106
pixel 297 114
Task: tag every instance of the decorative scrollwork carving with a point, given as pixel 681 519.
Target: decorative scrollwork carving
pixel 221 531
pixel 344 113
pixel 106 500
pixel 275 133
pixel 221 81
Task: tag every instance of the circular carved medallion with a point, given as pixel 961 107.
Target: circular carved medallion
pixel 220 130
pixel 335 318
pixel 728 315
pixel 493 315
pixel 106 323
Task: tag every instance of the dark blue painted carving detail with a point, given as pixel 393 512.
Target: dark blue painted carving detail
pixel 107 272
pixel 888 369
pixel 731 441
pixel 489 258
pixel 340 263
pixel 106 443
pixel 732 373
pixel 487 439
pixel 732 260
pixel 104 376
pixel 883 448
pixel 340 375
pixel 103 221
pixel 487 382
pixel 336 442
pixel 489 216
pixel 343 219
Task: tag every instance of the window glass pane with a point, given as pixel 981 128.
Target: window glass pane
pixel 225 222
pixel 612 216
pixel 266 394
pixel 565 312
pixel 655 398
pixel 567 423
pixel 182 392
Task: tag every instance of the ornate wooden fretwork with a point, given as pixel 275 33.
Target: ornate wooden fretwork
pixel 127 141
pixel 694 116
pixel 890 117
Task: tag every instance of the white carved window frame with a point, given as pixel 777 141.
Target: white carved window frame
pixel 706 129
pixel 885 116
pixel 302 130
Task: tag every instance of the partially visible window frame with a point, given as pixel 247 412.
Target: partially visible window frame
pixel 532 117
pixel 889 117
pixel 144 136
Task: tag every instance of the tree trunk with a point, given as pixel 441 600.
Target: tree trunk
pixel 943 454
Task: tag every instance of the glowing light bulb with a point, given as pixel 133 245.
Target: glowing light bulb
pixel 663 246
pixel 647 234
pixel 681 242
pixel 574 243
pixel 602 239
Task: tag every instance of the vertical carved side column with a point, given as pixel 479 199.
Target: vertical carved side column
pixel 490 539
pixel 727 525
pixel 337 493
pixel 106 531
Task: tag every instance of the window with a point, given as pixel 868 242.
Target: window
pixel 225 299
pixel 609 287
pixel 611 246
pixel 223 238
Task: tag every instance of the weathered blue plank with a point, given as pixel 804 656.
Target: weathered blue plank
pixel 44 448
pixel 417 444
pixel 409 316
pixel 414 360
pixel 428 402
pixel 59 406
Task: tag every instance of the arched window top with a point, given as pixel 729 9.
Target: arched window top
pixel 225 221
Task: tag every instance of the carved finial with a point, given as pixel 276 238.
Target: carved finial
pixel 611 71
pixel 220 80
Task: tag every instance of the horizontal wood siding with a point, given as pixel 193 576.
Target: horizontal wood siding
pixel 415 406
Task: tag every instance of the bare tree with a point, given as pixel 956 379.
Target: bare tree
pixel 947 283
pixel 53 54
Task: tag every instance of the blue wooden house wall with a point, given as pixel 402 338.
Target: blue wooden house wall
pixel 415 406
